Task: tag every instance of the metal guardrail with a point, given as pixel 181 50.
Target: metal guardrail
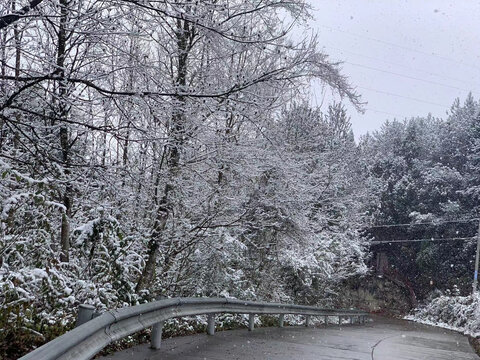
pixel 88 339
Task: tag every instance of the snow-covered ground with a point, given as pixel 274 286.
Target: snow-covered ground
pixel 459 313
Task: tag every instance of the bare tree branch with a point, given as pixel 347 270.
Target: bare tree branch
pixel 9 19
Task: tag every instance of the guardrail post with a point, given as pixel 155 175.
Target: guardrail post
pixel 251 322
pixel 280 320
pixel 325 320
pixel 307 320
pixel 85 313
pixel 211 324
pixel 156 335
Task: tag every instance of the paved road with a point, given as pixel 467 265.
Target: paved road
pixel 381 340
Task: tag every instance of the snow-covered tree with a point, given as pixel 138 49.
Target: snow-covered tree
pixel 158 148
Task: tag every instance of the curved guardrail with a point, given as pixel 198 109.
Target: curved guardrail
pixel 88 339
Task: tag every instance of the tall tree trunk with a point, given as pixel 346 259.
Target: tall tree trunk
pixel 3 70
pixel 16 36
pixel 125 154
pixel 18 54
pixel 185 34
pixel 64 133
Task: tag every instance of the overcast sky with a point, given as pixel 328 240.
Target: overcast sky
pixel 406 57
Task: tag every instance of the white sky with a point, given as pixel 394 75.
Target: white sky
pixel 425 51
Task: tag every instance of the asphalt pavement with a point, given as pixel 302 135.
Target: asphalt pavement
pixel 382 339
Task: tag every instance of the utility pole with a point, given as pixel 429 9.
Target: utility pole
pixel 475 276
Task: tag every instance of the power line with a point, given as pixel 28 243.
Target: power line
pixel 402 96
pixel 425 223
pixel 400 46
pixel 442 76
pixel 402 75
pixel 421 240
pixel 386 113
pixel 406 76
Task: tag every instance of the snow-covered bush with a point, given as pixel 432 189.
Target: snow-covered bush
pixel 459 313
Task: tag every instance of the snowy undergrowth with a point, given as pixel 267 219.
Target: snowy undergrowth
pixel 459 313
